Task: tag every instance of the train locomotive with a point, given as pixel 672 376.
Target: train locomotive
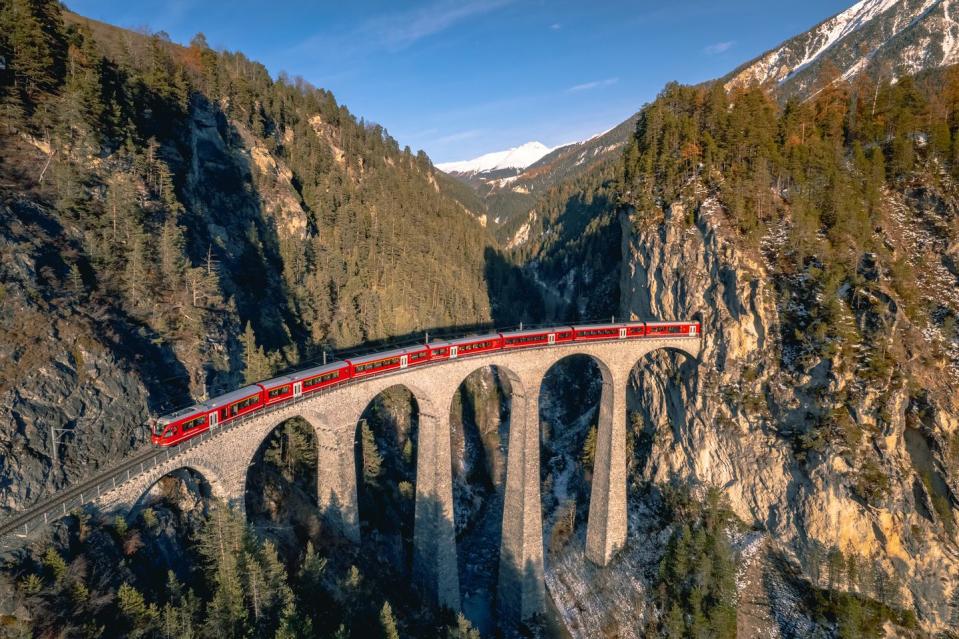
pixel 177 427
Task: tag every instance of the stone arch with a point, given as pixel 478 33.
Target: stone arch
pixel 280 482
pixel 566 466
pixel 212 481
pixel 655 393
pixel 386 436
pixel 481 407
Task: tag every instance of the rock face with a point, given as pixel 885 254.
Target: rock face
pixel 64 370
pixel 725 421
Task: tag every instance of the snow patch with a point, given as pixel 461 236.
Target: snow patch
pixel 518 157
pixel 834 29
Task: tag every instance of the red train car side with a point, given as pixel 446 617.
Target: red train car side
pixel 671 329
pixel 468 346
pixel 176 427
pixel 173 429
pixel 600 332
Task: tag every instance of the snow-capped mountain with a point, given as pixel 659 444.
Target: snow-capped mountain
pixel 518 157
pixel 886 37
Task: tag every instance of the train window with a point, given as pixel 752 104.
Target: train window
pixel 415 357
pixel 562 335
pixel 674 329
pixel 378 364
pixel 170 432
pixel 325 377
pixel 277 392
pixel 246 403
pixel 599 331
pixel 194 423
pixel 475 346
pixel 526 340
pixel 440 351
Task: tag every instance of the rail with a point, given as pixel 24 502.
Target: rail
pixel 144 459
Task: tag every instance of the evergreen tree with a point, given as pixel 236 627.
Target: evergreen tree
pixel 35 36
pixel 388 622
pixel 256 364
pixel 372 459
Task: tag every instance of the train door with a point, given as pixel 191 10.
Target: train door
pixel 404 361
pixel 552 338
pixel 692 329
pixel 622 333
pixel 213 419
pixel 454 351
pixel 297 389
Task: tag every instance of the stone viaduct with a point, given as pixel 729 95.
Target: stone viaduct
pixel 223 461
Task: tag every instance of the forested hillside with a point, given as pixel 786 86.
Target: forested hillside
pixel 196 181
pixel 175 222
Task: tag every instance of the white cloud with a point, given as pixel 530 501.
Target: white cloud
pixel 556 26
pixel 397 30
pixel 403 29
pixel 595 84
pixel 460 136
pixel 719 47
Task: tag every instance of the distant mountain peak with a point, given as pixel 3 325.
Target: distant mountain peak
pixel 886 36
pixel 518 157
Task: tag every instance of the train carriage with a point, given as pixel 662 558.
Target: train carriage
pixel 282 388
pixel 468 346
pixel 536 337
pixel 600 332
pixel 671 329
pixel 367 365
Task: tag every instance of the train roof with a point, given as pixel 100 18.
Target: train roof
pixel 668 323
pixel 375 357
pixel 183 412
pixel 232 396
pixel 475 338
pixel 303 374
pixel 587 327
pixel 534 331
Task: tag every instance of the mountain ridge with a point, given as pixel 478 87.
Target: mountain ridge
pixel 517 157
pixel 884 38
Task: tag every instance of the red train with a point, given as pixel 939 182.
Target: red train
pixel 174 428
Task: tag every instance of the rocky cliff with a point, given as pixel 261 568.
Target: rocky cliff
pixel 727 421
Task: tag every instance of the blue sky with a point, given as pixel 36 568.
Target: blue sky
pixel 459 78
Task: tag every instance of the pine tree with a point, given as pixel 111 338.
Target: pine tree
pixel 256 364
pixel 388 622
pixel 675 624
pixel 312 570
pixel 463 629
pixel 372 459
pixel 220 544
pixel 588 454
pixel 37 44
pixel 140 618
